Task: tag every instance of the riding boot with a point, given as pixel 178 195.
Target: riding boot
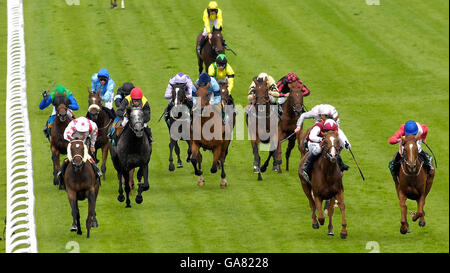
pixel 148 132
pixel 427 161
pixel 110 112
pixel 97 170
pixel 60 174
pixel 46 131
pixel 307 167
pixel 342 166
pixel 200 45
pixel 394 165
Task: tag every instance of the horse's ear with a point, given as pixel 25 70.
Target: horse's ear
pixel 403 138
pixel 254 80
pixel 89 90
pixel 207 86
pixel 196 86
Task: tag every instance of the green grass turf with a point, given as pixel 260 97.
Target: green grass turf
pixel 378 65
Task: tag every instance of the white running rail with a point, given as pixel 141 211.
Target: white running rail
pixel 20 224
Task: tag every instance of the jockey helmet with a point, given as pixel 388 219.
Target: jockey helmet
pixel 221 60
pixel 213 5
pixel 82 125
pixel 204 78
pixel 60 90
pixel 262 76
pixel 411 128
pixel 103 73
pixel 181 77
pixel 127 87
pixel 136 93
pixel 330 124
pixel 291 77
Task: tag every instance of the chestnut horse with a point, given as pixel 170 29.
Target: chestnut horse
pixel 81 182
pixel 213 139
pixel 104 123
pixel 262 122
pixel 292 109
pixel 326 183
pixel 58 144
pixel 412 182
pixel 210 50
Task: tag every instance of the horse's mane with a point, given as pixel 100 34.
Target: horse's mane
pixel 60 99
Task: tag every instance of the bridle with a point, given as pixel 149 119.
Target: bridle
pixel 404 155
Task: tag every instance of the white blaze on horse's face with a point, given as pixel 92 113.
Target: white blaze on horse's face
pixel 333 151
pixel 176 95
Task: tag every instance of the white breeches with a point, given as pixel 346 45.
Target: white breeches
pixel 314 148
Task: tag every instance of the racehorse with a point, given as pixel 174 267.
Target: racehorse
pixel 326 183
pixel 179 102
pixel 292 109
pixel 214 139
pixel 58 144
pixel 104 123
pixel 227 104
pixel 260 126
pixel 133 150
pixel 81 182
pixel 210 50
pixel 413 182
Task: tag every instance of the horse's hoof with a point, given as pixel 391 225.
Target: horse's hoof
pixel 180 165
pixel 198 173
pixel 128 206
pixel 223 184
pixel 422 223
pixel 171 167
pixel 55 181
pixel 213 170
pixel 257 170
pixel 73 228
pixel 274 168
pixel 321 221
pixel 344 235
pixel 263 169
pixel 403 231
pixel 121 198
pixel 79 232
pixel 94 223
pixel 259 177
pixel 279 169
pixel 139 199
pixel 315 226
pixel 331 233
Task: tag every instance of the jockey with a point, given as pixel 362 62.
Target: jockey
pixel 319 113
pixel 314 138
pixel 80 128
pixel 136 99
pixel 212 16
pixel 283 87
pixel 273 89
pixel 213 90
pixel 49 99
pixel 122 92
pixel 179 78
pixel 102 82
pixel 411 128
pixel 221 70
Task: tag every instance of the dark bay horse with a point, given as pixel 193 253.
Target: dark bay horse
pixel 81 182
pixel 179 120
pixel 58 144
pixel 326 183
pixel 413 182
pixel 262 121
pixel 292 109
pixel 104 123
pixel 211 50
pixel 133 150
pixel 211 138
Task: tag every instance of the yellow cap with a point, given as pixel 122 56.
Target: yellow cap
pixel 213 5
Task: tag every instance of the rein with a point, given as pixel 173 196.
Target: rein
pixel 411 174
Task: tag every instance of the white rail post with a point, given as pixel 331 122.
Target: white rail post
pixel 20 224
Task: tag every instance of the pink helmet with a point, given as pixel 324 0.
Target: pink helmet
pixel 330 125
pixel 82 125
pixel 136 93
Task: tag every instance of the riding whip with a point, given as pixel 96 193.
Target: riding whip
pixel 435 162
pixel 287 137
pixel 356 163
pixel 229 48
pixel 161 115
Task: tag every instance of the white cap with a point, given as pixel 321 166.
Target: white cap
pixel 82 125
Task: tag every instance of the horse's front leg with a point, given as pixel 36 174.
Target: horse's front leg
pixel 91 211
pixel 403 220
pixel 127 189
pixel 330 209
pixel 142 187
pixel 105 150
pixel 256 157
pixel 223 181
pixel 216 156
pixel 420 212
pixel 318 202
pixel 171 146
pixel 177 152
pixel 55 160
pixel 75 211
pixel 290 146
pixel 341 204
pixel 189 151
pixel 120 197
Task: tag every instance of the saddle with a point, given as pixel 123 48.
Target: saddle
pixel 116 131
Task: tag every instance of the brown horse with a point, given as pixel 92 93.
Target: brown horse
pixel 210 50
pixel 104 123
pixel 81 182
pixel 213 138
pixel 262 122
pixel 292 109
pixel 58 145
pixel 326 183
pixel 412 182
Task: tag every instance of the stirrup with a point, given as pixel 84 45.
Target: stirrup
pixel 306 176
